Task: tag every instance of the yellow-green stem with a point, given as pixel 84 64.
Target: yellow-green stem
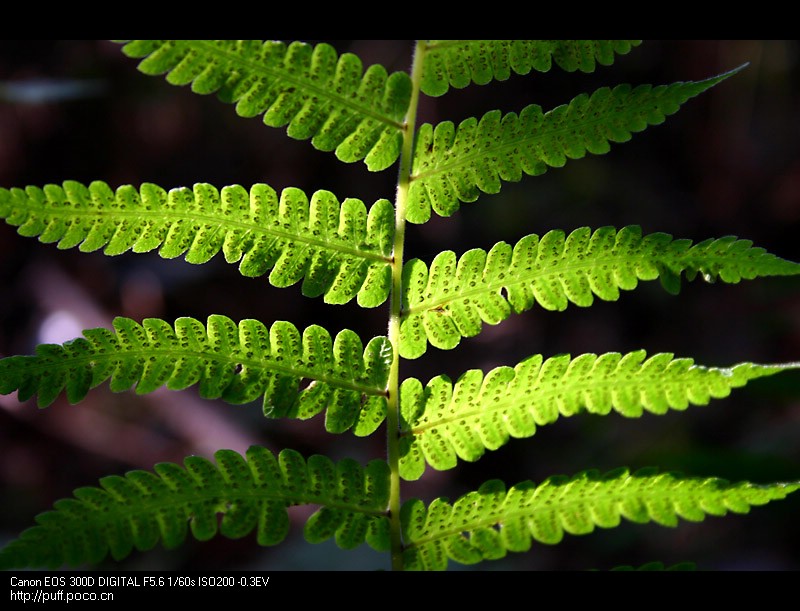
pixel 396 303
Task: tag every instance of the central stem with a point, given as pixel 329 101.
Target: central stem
pixel 396 304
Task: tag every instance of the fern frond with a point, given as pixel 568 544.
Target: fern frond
pixel 238 363
pixel 458 63
pixel 454 297
pixel 338 250
pixel 454 165
pixel 487 523
pixel 317 94
pixel 443 422
pixel 141 509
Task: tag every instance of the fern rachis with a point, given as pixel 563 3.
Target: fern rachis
pixel 352 251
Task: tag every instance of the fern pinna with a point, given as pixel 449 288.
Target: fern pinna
pixel 343 249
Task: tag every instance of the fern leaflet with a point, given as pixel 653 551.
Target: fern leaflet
pixel 458 63
pixel 443 422
pixel 238 363
pixel 454 165
pixel 487 523
pixel 454 297
pixel 142 508
pixel 340 251
pixel 316 93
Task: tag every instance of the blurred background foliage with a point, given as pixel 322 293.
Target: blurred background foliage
pixel 727 163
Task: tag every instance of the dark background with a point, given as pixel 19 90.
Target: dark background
pixel 727 163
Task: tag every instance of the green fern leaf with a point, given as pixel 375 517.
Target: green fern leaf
pixel 458 63
pixel 454 165
pixel 238 363
pixel 142 508
pixel 443 422
pixel 340 251
pixel 486 524
pixel 319 95
pixel 455 297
